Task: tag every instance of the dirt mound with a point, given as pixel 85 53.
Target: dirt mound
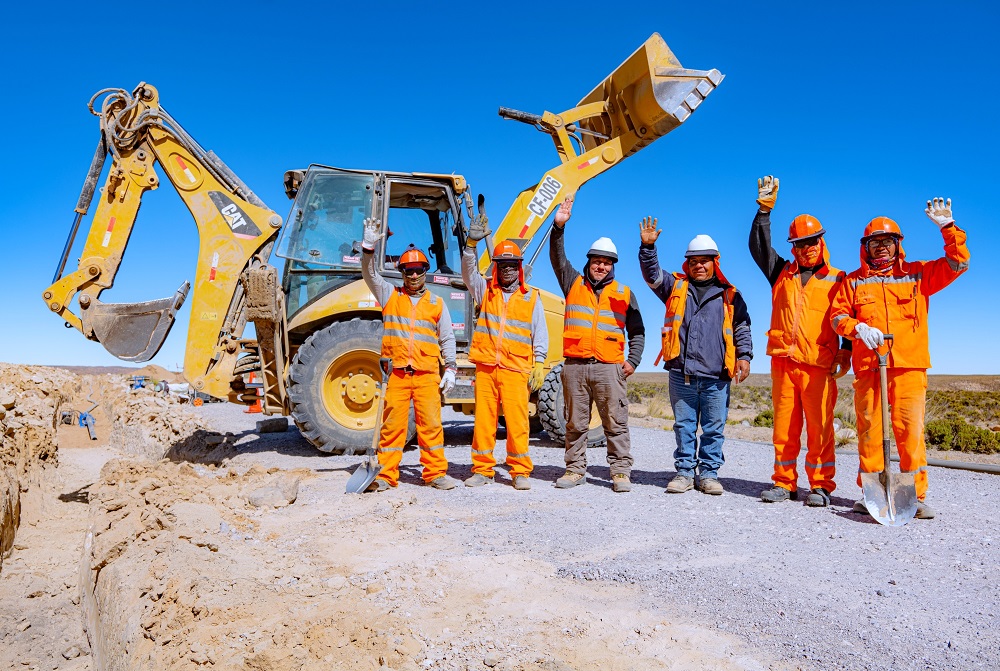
pixel 160 373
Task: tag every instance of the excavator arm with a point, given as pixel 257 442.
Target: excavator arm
pixel 646 97
pixel 236 231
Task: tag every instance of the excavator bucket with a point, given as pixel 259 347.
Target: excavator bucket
pixel 650 94
pixel 133 331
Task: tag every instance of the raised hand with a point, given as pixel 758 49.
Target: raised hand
pixel 372 234
pixel 648 230
pixel 939 211
pixel 767 192
pixel 564 212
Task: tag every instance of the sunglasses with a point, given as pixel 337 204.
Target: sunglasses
pixel 882 243
pixel 413 270
pixel 506 264
pixel 808 242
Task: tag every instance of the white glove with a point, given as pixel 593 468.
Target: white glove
pixel 939 211
pixel 869 335
pixel 371 235
pixel 447 381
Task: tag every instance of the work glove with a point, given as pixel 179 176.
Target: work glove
pixel 447 381
pixel 767 192
pixel 841 364
pixel 869 335
pixel 371 235
pixel 478 229
pixel 939 211
pixel 537 376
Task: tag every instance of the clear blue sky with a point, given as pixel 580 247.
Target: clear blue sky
pixel 862 109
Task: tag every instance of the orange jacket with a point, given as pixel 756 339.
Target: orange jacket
pixel 674 317
pixel 800 315
pixel 503 330
pixel 410 336
pixel 592 328
pixel 896 300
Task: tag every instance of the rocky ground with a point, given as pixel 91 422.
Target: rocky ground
pixel 241 551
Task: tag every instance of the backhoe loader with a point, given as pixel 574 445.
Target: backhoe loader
pixel 317 328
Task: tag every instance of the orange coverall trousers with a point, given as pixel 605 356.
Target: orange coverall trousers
pixel 796 390
pixel 907 395
pixel 496 386
pixel 422 389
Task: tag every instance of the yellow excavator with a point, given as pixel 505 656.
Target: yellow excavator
pixel 317 328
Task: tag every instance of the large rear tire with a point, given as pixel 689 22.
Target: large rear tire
pixel 332 385
pixel 552 413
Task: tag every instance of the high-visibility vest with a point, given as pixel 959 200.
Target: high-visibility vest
pixel 674 317
pixel 503 330
pixel 410 336
pixel 800 316
pixel 595 328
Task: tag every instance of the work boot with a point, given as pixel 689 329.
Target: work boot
pixel 620 483
pixel 444 482
pixel 378 486
pixel 818 498
pixel 924 511
pixel 778 494
pixel 478 480
pixel 571 479
pixel 680 484
pixel 522 482
pixel 710 486
pixel 860 507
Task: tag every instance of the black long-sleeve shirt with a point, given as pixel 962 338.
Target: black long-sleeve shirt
pixel 566 274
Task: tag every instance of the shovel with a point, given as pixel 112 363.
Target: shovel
pixel 370 468
pixel 891 498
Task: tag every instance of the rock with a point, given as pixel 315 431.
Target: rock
pixel 847 434
pixel 273 425
pixel 745 422
pixel 215 439
pixel 71 653
pixel 837 424
pixel 8 400
pixel 374 588
pixel 491 659
pixel 267 497
pixel 23 625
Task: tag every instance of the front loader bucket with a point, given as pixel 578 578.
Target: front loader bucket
pixel 133 331
pixel 891 498
pixel 648 95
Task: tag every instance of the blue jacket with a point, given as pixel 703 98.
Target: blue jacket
pixel 702 347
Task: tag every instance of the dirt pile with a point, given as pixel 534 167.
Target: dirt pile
pixel 30 402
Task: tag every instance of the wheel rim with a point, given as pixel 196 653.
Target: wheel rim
pixel 350 389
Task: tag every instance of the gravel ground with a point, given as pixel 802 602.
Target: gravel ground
pixel 811 588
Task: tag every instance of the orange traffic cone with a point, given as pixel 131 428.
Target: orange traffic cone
pixel 255 406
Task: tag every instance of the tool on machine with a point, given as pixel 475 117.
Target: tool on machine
pixel 370 468
pixel 891 498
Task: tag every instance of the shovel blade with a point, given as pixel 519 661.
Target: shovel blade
pixel 134 331
pixel 892 506
pixel 363 476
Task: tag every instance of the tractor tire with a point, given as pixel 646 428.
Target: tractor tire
pixel 552 414
pixel 332 383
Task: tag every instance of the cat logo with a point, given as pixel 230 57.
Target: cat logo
pixel 241 224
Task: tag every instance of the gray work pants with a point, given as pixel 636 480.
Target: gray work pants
pixel 604 384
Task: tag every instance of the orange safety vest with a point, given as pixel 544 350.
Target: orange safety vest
pixel 503 330
pixel 410 336
pixel 674 317
pixel 800 316
pixel 595 328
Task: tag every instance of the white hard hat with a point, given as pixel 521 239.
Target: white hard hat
pixel 604 247
pixel 702 245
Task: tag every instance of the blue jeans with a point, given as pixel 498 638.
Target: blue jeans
pixel 705 401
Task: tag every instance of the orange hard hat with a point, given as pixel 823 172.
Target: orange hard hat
pixel 804 226
pixel 507 250
pixel 411 256
pixel 881 226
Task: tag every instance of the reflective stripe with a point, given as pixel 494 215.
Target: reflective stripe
pixel 396 319
pixel 517 454
pixel 425 338
pixel 482 451
pixel 396 331
pixel 582 309
pixel 617 316
pixel 784 463
pixel 517 338
pixel 389 449
pixel 423 323
pixel 569 321
pixel 431 449
pixel 517 323
pixel 836 320
pixel 883 279
pixel 819 466
pixel 609 327
pixel 957 266
pixel 827 278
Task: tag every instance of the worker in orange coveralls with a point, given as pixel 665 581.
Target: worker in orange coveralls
pixel 417 332
pixel 805 358
pixel 889 294
pixel 509 347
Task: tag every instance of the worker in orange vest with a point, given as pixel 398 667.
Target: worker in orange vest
pixel 805 356
pixel 890 295
pixel 509 347
pixel 600 311
pixel 417 333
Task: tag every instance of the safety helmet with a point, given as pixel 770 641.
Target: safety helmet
pixel 507 250
pixel 702 245
pixel 603 247
pixel 804 226
pixel 411 256
pixel 881 226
